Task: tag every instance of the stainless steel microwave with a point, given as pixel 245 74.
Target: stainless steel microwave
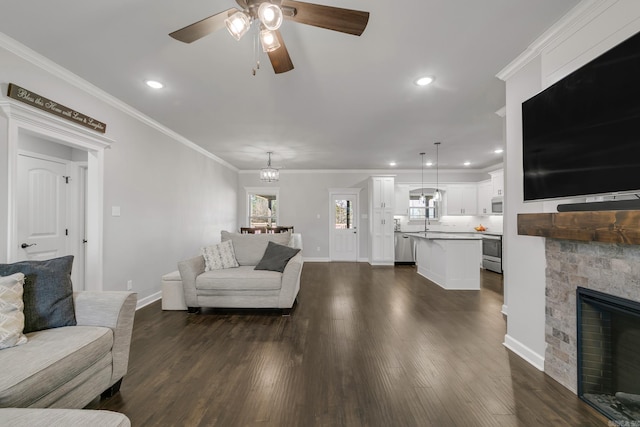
pixel 496 205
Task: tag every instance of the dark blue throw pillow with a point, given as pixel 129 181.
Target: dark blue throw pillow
pixel 48 292
pixel 276 257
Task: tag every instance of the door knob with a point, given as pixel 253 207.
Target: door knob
pixel 26 245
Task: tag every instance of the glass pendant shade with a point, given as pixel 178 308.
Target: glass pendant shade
pixel 238 24
pixel 269 40
pixel 270 15
pixel 437 196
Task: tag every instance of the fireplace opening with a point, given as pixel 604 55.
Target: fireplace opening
pixel 609 354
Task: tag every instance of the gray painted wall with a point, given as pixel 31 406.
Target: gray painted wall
pixel 173 199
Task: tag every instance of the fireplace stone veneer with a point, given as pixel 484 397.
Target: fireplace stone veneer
pixel 610 268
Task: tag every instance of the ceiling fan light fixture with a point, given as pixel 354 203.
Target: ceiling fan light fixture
pixel 270 15
pixel 269 40
pixel 269 174
pixel 238 24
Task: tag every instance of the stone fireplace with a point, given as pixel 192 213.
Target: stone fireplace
pixel 609 268
pixel 597 251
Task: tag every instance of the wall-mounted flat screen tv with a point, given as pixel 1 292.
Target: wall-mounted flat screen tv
pixel 581 136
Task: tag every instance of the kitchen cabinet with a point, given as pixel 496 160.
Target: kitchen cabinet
pixel 462 199
pixel 401 203
pixel 383 191
pixel 497 183
pixel 382 197
pixel 485 194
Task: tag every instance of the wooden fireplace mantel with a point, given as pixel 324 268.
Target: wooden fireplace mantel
pixel 592 226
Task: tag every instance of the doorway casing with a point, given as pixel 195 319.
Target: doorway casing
pixel 24 118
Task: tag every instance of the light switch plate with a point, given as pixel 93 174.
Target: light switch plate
pixel 115 210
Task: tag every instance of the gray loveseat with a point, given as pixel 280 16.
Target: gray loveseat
pixel 243 287
pixel 68 367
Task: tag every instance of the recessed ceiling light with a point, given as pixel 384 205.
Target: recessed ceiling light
pixel 154 84
pixel 499 151
pixel 392 163
pixel 424 81
pixel 467 163
pixel 429 163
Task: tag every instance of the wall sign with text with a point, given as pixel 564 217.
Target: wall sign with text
pixel 42 103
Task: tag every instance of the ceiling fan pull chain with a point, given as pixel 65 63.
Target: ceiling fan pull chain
pixel 256 54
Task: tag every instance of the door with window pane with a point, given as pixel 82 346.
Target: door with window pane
pixel 344 227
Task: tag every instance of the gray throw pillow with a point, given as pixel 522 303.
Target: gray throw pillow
pixel 276 257
pixel 48 292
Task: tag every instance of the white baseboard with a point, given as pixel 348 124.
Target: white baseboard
pixel 525 352
pixel 505 310
pixel 148 300
pixel 311 259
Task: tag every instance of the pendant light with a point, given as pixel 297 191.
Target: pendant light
pixel 437 196
pixel 269 174
pixel 422 197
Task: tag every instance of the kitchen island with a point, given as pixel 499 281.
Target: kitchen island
pixel 450 260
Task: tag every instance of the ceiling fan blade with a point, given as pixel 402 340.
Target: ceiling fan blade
pixel 280 58
pixel 202 28
pixel 332 18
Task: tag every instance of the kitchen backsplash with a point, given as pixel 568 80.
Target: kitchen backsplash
pixel 493 223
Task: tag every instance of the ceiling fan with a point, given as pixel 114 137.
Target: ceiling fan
pixel 269 14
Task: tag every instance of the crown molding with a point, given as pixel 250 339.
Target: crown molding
pixel 376 172
pixel 586 10
pixel 62 73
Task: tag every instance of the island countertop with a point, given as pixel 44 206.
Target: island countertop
pixel 443 235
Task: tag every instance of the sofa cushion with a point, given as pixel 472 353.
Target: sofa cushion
pixel 11 311
pixel 217 257
pixel 250 248
pixel 48 292
pixel 39 417
pixel 276 257
pixel 242 278
pixel 50 359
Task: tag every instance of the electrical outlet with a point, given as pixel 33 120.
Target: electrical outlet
pixel 129 285
pixel 318 248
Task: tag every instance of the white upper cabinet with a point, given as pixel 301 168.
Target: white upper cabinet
pixel 485 193
pixel 383 194
pixel 401 206
pixel 497 183
pixel 462 199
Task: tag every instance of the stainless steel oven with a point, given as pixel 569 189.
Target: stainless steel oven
pixel 492 253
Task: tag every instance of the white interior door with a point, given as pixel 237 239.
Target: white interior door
pixel 344 227
pixel 41 216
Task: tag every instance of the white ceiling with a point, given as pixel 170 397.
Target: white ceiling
pixel 350 102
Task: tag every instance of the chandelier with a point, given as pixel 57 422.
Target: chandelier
pixel 269 174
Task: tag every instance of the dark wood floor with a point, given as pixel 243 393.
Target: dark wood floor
pixel 365 346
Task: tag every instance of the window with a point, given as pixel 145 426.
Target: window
pixel 344 214
pixel 263 208
pixel 418 208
